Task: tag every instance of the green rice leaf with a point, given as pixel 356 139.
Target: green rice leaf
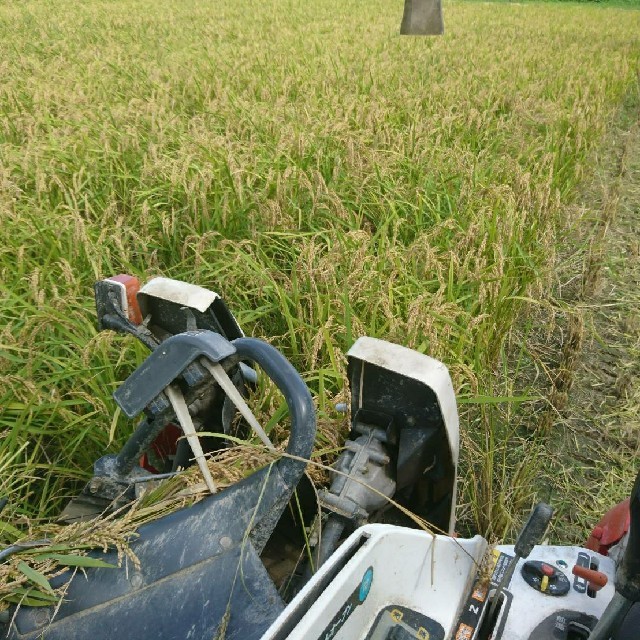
pixel 7 529
pixel 34 576
pixel 30 597
pixel 71 560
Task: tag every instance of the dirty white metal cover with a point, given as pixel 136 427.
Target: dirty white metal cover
pixel 122 292
pixel 430 372
pixel 411 364
pixel 189 295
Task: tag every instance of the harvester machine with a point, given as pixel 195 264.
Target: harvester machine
pixel 273 557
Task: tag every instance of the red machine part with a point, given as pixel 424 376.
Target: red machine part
pixel 596 579
pixel 162 448
pixel 165 445
pixel 132 286
pixel 611 529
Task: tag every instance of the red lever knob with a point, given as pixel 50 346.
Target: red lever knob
pixel 596 579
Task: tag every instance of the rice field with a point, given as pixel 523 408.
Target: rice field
pixel 328 178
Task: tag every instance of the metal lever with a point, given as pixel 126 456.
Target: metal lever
pixel 531 534
pixel 165 364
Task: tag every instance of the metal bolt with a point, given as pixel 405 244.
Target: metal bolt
pixel 41 616
pixel 94 485
pixel 136 580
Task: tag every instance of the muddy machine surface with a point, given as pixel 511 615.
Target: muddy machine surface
pixel 215 569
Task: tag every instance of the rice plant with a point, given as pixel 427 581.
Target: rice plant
pixel 327 177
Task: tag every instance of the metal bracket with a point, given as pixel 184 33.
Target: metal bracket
pixel 165 364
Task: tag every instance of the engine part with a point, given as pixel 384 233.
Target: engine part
pixel 362 482
pixel 362 479
pixel 403 443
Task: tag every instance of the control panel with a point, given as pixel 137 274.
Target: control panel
pixel 557 593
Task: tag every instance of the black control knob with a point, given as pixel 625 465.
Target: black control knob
pixel 545 578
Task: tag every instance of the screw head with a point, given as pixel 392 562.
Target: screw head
pixel 136 580
pixel 41 616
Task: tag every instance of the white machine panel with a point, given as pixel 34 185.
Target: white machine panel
pixel 386 577
pixel 387 582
